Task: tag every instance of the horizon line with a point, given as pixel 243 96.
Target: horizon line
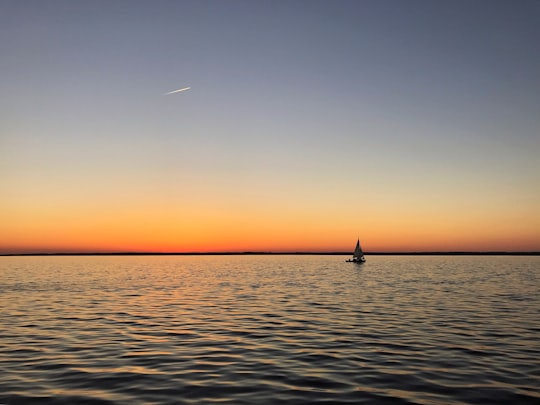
pixel 231 253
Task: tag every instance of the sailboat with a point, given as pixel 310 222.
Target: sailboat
pixel 358 255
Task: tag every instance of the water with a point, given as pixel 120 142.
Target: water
pixel 269 330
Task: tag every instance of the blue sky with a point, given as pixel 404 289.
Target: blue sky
pixel 420 107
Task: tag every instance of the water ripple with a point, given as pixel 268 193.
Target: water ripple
pixel 269 330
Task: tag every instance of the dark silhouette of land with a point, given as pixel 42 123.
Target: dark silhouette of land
pixel 498 253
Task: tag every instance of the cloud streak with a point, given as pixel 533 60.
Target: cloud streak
pixel 177 91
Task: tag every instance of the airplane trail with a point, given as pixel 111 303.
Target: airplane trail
pixel 177 91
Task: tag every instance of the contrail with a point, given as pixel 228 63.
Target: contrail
pixel 177 91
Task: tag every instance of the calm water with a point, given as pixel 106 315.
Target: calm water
pixel 269 330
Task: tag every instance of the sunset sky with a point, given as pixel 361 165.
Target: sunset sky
pixel 414 125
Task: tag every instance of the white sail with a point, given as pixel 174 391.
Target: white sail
pixel 358 250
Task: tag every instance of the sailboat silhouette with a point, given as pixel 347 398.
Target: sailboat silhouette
pixel 358 255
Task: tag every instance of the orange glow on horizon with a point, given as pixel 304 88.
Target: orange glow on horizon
pixel 235 227
pixel 221 240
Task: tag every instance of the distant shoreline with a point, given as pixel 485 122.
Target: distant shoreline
pixel 272 253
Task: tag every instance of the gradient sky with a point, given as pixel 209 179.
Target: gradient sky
pixel 414 125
